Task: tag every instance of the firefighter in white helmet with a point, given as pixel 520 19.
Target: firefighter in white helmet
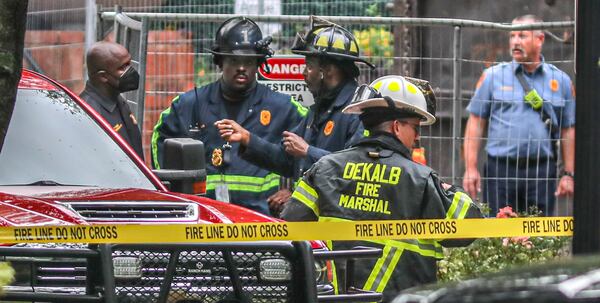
pixel 377 180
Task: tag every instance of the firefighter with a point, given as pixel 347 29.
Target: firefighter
pixel 239 51
pixel 330 74
pixel 377 180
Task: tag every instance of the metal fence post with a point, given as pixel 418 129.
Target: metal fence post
pixel 90 29
pixel 142 67
pixel 117 27
pixel 456 101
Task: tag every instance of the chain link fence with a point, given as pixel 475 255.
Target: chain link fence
pixel 450 53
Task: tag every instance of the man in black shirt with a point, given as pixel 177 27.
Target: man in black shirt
pixel 110 74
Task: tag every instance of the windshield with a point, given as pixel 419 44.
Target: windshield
pixel 53 141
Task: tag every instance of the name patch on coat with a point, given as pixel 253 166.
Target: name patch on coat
pixel 369 177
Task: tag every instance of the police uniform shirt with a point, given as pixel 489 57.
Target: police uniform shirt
pixel 515 129
pixel 117 114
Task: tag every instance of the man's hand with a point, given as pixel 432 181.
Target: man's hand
pixel 294 144
pixel 278 200
pixel 230 131
pixel 566 185
pixel 472 182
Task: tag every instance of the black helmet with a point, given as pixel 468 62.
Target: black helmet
pixel 240 36
pixel 329 40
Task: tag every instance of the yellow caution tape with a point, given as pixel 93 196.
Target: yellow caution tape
pixel 350 230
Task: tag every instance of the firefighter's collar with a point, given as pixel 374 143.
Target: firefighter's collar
pixel 216 96
pixel 345 94
pixel 386 140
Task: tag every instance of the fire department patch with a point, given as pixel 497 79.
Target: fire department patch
pixel 328 128
pixel 265 117
pixel 217 157
pixel 554 85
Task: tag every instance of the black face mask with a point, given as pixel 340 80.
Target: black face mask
pixel 129 80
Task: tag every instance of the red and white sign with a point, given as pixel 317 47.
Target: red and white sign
pixel 286 77
pixel 284 68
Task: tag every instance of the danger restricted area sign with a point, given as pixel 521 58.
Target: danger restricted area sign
pixel 285 76
pixel 346 230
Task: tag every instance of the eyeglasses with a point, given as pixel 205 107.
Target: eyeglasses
pixel 365 92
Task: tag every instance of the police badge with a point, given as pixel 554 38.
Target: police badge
pixel 217 157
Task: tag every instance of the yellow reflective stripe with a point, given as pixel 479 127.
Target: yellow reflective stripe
pixel 333 270
pixel 389 270
pixel 460 205
pixel 299 107
pixel 156 135
pixel 377 268
pixel 424 247
pixel 308 189
pixel 244 179
pixel 243 183
pixel 433 249
pixel 307 195
pixel 333 219
pixel 468 203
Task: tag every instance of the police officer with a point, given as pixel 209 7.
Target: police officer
pixel 526 106
pixel 110 73
pixel 239 50
pixel 377 180
pixel 330 74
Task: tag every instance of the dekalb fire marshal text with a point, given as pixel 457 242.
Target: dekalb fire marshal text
pixel 369 177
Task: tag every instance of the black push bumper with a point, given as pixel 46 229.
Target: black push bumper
pixel 275 271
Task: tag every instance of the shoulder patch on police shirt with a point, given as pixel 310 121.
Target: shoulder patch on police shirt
pixel 554 85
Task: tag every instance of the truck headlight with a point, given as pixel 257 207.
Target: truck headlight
pixel 127 267
pixel 275 270
pixel 320 271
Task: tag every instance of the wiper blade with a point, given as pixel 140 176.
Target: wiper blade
pixel 50 183
pixel 45 183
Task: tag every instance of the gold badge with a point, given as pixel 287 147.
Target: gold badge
pixel 265 117
pixel 217 157
pixel 117 127
pixel 554 85
pixel 328 128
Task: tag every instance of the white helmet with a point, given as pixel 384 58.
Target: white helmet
pixel 395 92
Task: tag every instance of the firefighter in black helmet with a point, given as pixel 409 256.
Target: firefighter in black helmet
pixel 331 76
pixel 239 50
